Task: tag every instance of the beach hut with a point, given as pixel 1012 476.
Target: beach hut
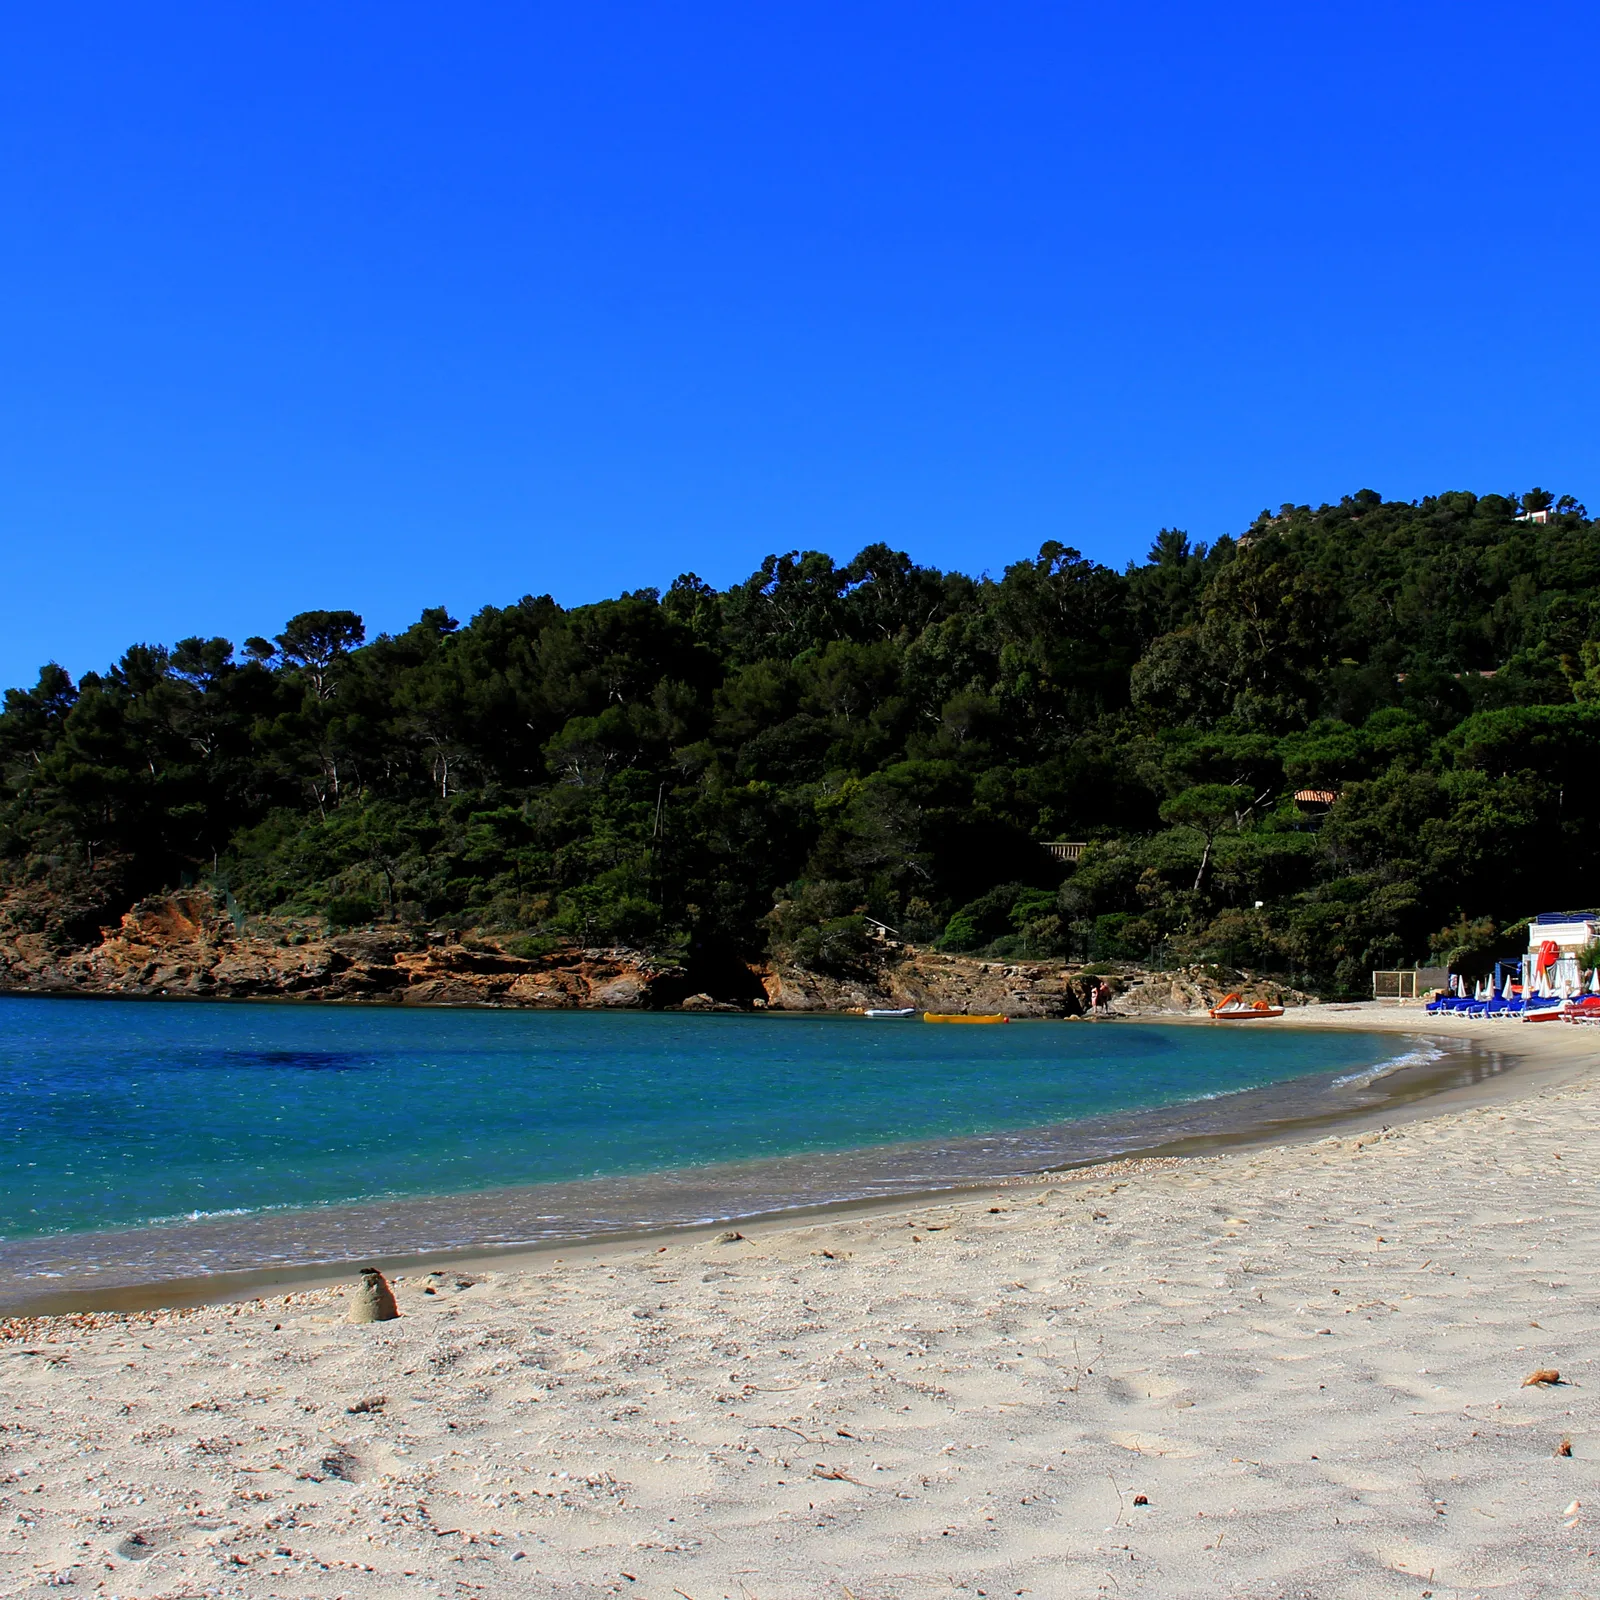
pixel 1555 939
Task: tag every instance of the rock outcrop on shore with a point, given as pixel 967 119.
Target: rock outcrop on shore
pixel 186 945
pixel 928 980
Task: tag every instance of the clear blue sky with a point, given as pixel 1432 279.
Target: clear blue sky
pixel 385 306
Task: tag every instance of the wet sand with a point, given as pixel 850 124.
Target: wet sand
pixel 1290 1369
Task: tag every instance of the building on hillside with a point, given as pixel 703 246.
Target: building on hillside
pixel 1314 805
pixel 1065 849
pixel 1555 939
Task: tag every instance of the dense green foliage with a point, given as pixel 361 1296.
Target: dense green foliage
pixel 722 774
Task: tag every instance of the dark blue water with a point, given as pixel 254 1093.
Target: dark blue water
pixel 122 1114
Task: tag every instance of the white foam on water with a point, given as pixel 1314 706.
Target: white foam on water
pixel 1424 1055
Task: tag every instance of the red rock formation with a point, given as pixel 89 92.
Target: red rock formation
pixel 184 944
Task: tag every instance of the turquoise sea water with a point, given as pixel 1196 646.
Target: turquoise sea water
pixel 117 1115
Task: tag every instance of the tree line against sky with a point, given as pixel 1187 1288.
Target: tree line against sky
pixel 731 775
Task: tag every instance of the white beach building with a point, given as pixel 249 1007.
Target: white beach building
pixel 1558 936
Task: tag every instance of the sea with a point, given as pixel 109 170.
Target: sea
pixel 146 1142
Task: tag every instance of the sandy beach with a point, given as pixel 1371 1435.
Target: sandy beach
pixel 1294 1370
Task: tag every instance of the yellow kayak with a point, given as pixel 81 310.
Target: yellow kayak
pixel 948 1016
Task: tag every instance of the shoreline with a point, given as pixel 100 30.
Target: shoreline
pixel 1351 1366
pixel 1512 1066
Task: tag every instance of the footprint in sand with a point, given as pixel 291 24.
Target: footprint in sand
pixel 143 1543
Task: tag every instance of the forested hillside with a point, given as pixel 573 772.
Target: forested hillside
pixel 724 774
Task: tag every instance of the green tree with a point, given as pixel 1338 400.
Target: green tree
pixel 314 643
pixel 1207 809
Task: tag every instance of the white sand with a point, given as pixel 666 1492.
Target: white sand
pixel 1309 1360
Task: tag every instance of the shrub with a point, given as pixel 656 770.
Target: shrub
pixel 350 911
pixel 961 933
pixel 833 946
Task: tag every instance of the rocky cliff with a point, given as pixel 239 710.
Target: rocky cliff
pixel 186 945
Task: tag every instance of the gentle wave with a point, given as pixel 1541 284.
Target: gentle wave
pixel 226 1211
pixel 1425 1054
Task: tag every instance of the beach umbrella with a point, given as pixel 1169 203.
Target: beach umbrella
pixel 1594 981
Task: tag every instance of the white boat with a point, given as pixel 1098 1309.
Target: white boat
pixel 909 1011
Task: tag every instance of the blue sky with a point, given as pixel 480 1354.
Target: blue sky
pixel 401 305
